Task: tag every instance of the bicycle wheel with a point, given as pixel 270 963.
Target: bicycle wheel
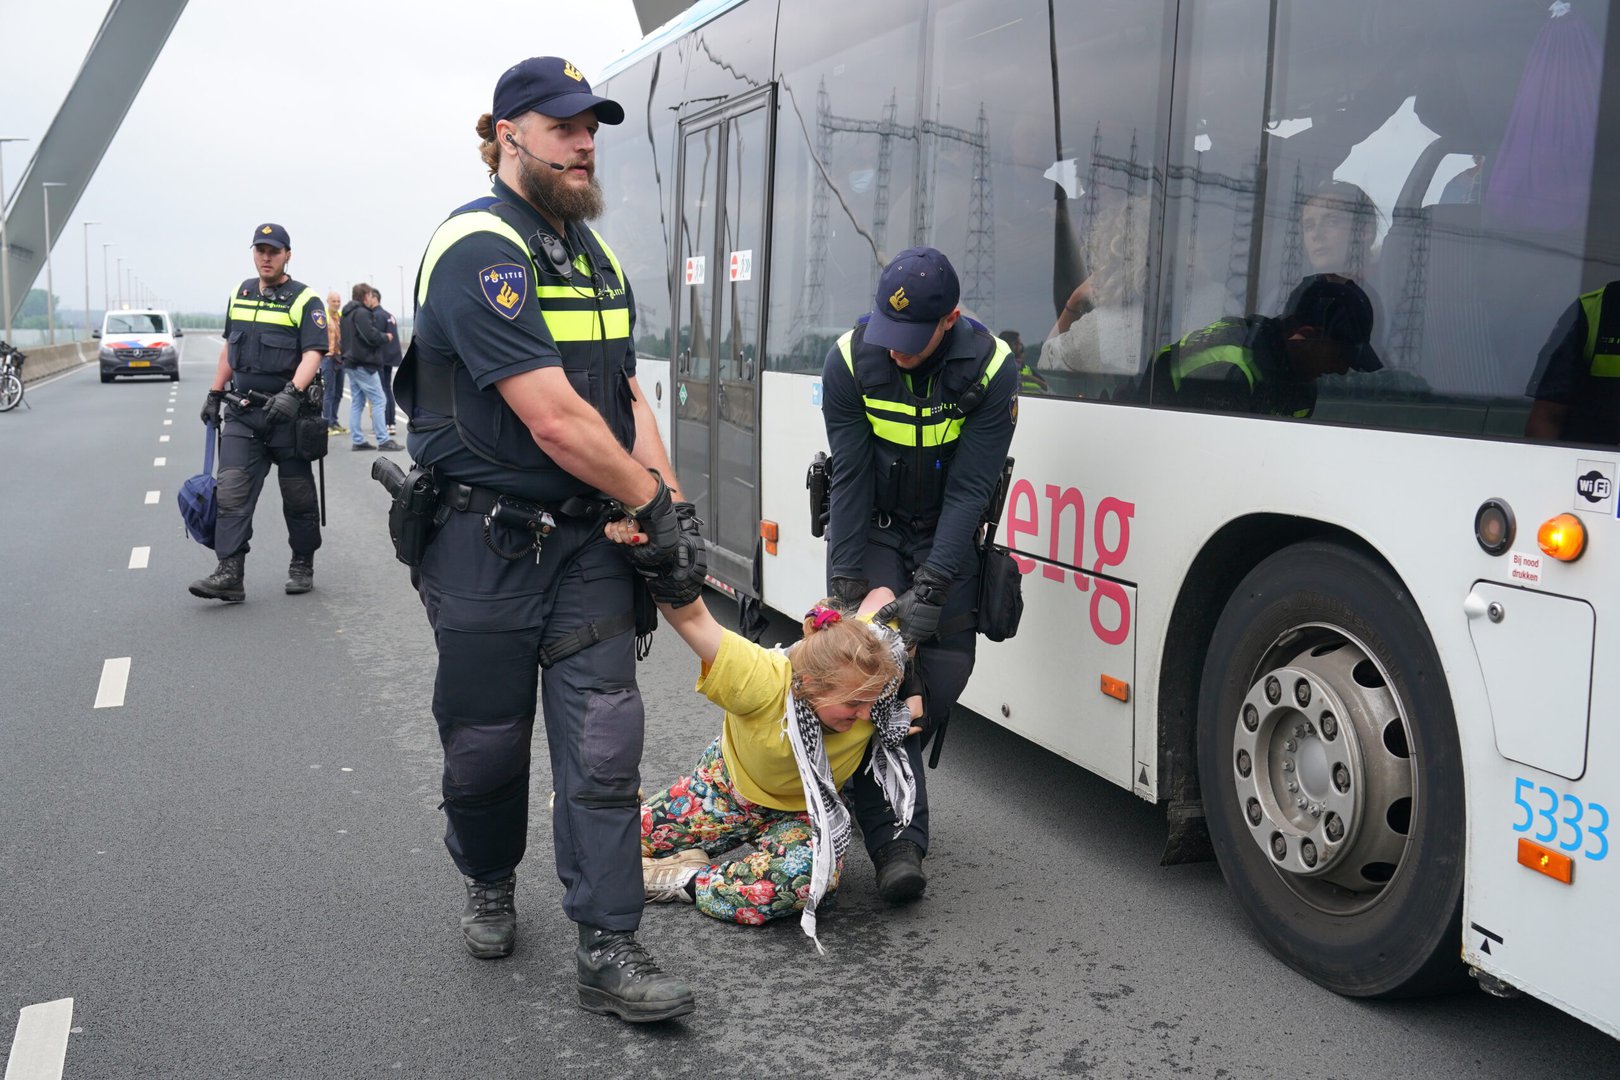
pixel 11 391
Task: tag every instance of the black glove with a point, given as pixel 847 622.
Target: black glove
pixel 210 409
pixel 919 607
pixel 675 579
pixel 285 405
pixel 658 520
pixel 849 591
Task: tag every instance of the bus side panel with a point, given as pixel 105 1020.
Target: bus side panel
pixel 790 417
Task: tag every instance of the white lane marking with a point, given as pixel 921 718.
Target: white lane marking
pixel 151 498
pixel 163 438
pixel 159 462
pixel 39 1049
pixel 139 557
pixel 114 680
pixel 166 423
pixel 168 410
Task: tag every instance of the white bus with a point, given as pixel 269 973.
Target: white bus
pixel 1311 617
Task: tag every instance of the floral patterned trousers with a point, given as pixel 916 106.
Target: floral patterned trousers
pixel 704 811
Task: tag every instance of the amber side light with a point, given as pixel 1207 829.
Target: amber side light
pixel 768 533
pixel 1542 860
pixel 1563 537
pixel 1118 689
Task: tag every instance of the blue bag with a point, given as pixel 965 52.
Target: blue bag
pixel 198 505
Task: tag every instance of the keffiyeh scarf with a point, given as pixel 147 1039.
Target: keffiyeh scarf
pixel 889 766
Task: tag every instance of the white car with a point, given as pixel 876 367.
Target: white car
pixel 140 342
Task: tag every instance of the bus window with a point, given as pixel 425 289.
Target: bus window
pixel 1446 193
pixel 1046 208
pixel 846 165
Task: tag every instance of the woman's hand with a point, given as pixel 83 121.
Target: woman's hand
pixel 915 704
pixel 624 531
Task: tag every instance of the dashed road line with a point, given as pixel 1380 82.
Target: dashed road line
pixel 39 1049
pixel 139 557
pixel 114 681
pixel 163 438
pixel 159 462
pixel 151 498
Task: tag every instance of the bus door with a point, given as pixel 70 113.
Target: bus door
pixel 719 317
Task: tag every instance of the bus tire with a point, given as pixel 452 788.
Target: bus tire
pixel 1331 774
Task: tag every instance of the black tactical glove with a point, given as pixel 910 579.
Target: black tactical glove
pixel 657 519
pixel 210 409
pixel 675 579
pixel 285 405
pixel 918 608
pixel 848 591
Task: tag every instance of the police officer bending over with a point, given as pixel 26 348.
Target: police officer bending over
pixel 275 334
pixel 521 393
pixel 919 404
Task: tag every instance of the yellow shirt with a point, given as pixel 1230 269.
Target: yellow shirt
pixel 751 683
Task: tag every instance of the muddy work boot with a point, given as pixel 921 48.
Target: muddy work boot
pixel 489 923
pixel 225 583
pixel 301 574
pixel 900 877
pixel 616 975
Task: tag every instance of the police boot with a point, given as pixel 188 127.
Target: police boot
pixel 616 975
pixel 301 574
pixel 225 583
pixel 489 924
pixel 900 877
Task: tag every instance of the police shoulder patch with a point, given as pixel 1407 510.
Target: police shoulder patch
pixel 505 286
pixel 320 317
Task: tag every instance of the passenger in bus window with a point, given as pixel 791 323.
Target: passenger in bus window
pixel 1338 227
pixel 1576 386
pixel 919 405
pixel 1265 365
pixel 797 724
pixel 1098 329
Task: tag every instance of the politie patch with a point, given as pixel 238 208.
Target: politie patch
pixel 320 318
pixel 505 286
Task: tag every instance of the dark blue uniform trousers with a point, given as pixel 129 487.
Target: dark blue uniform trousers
pixel 892 557
pixel 251 442
pixel 490 618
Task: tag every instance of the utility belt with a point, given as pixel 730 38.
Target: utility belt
pixel 885 519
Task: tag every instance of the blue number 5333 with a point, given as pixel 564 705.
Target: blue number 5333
pixel 1586 824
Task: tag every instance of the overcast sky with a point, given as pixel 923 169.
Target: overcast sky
pixel 350 122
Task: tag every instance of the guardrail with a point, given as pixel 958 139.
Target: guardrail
pixel 47 360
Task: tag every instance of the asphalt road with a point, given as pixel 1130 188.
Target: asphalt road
pixel 238 872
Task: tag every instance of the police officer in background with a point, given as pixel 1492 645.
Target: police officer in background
pixel 275 335
pixel 919 404
pixel 520 392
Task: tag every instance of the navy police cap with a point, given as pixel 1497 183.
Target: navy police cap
pixel 270 233
pixel 1341 310
pixel 918 288
pixel 552 86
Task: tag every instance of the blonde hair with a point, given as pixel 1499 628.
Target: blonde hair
pixel 843 657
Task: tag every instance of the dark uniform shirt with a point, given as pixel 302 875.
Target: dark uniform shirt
pixel 943 487
pixel 1566 373
pixel 1236 364
pixel 460 322
pixel 263 349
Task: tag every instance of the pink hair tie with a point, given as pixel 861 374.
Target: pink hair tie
pixel 824 615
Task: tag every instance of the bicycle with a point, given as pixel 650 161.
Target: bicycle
pixel 11 384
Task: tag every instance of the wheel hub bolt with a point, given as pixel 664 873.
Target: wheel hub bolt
pixel 1299 731
pixel 1288 766
pixel 1301 802
pixel 1254 812
pixel 1273 689
pixel 1290 746
pixel 1251 717
pixel 1279 846
pixel 1292 787
pixel 1307 852
pixel 1245 763
pixel 1302 692
pixel 1330 726
pixel 1341 777
pixel 1335 828
pixel 1316 809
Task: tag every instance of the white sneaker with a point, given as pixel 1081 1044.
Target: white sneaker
pixel 665 879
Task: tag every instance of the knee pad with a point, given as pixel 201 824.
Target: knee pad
pixel 232 489
pixel 298 496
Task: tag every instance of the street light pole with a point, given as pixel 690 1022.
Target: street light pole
pixel 50 277
pixel 106 294
pixel 5 245
pixel 87 225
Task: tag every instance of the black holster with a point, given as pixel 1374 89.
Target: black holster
pixel 416 512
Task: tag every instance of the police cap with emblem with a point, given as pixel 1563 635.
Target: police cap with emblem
pixel 552 86
pixel 271 234
pixel 917 289
pixel 1341 310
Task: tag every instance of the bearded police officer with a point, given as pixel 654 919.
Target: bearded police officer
pixel 275 335
pixel 919 404
pixel 521 394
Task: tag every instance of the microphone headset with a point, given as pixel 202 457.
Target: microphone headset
pixel 522 150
